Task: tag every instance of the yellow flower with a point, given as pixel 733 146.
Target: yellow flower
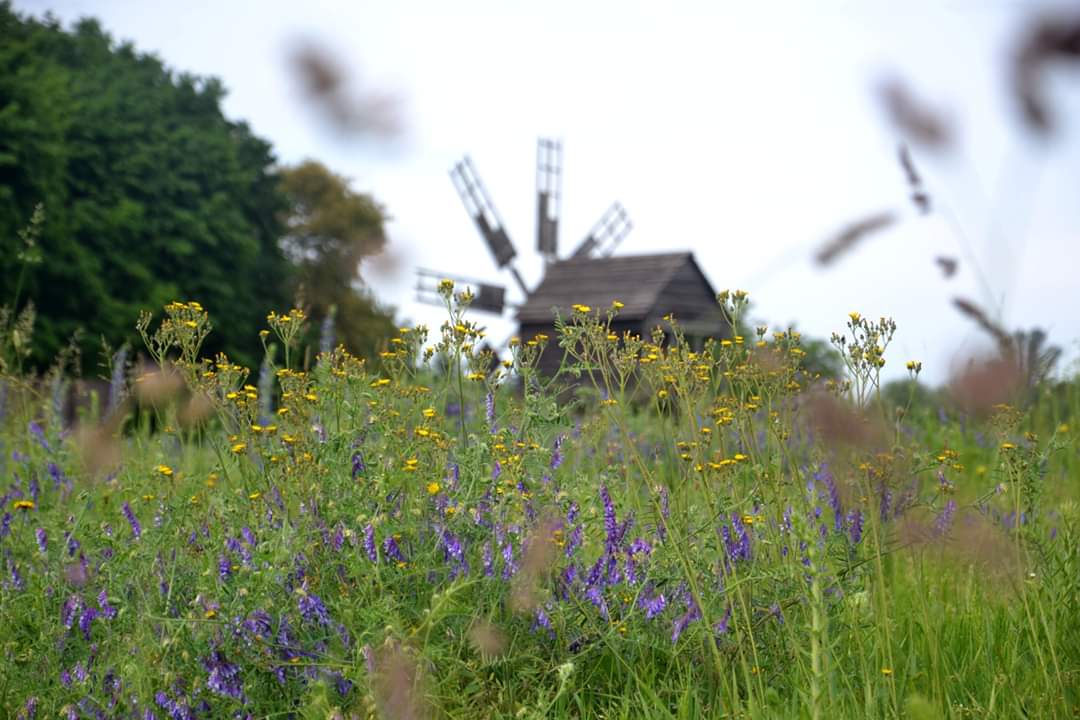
pixel 165 470
pixel 739 457
pixel 433 488
pixel 429 412
pixel 855 317
pixel 311 397
pixel 411 465
pixel 583 309
pixel 23 505
pixel 1007 446
pixel 239 448
pixel 617 305
pixel 254 496
pixel 886 671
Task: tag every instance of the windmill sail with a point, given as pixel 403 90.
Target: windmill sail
pixel 480 208
pixel 607 233
pixel 548 197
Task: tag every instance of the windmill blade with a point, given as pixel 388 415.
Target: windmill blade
pixel 482 210
pixel 548 197
pixel 610 230
pixel 486 297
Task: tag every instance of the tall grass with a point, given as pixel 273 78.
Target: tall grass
pixel 682 534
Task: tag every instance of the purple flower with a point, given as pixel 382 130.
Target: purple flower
pixel 571 513
pixel 574 541
pixel 249 537
pixel 224 567
pixel 5 525
pixel 107 611
pixel 369 543
pixel 496 471
pixel 855 526
pixel 721 627
pixel 556 453
pixel 489 560
pixel 594 596
pixel 610 524
pixel 509 566
pixel 682 622
pixel 39 435
pixel 944 520
pixel 30 710
pixel 16 578
pixel 358 466
pixel 653 605
pixel 391 549
pixel 258 623
pixel 70 609
pixel 136 529
pixel 491 412
pixel 85 621
pixel 224 677
pixel 541 620
pixel 42 540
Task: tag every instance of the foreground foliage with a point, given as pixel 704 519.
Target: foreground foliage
pixel 694 534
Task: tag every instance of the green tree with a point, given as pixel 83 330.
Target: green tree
pixel 150 193
pixel 330 231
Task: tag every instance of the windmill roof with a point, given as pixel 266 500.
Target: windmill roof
pixel 637 281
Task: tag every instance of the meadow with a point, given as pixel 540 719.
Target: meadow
pixel 655 533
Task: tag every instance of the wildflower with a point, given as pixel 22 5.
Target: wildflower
pixel 136 529
pixel 107 611
pixel 312 609
pixel 369 543
pixel 42 540
pixel 1007 446
pixel 165 470
pixel 23 505
pixel 433 488
pixel 238 448
pixel 855 317
pixel 411 465
pixel 617 305
pixel 886 671
pixel 358 466
pixel 392 551
pixel 87 618
pixel 224 677
pixel 583 309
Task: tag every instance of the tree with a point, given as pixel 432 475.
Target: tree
pixel 330 231
pixel 150 193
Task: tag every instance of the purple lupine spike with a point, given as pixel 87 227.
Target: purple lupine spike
pixel 391 549
pixel 358 466
pixel 491 412
pixel 652 604
pixel 556 453
pixel 30 709
pixel 489 560
pixel 17 580
pixel 70 609
pixel 313 610
pixel 259 623
pixel 35 488
pixel 338 541
pixel 692 614
pixel 249 537
pixel 224 567
pixel 56 474
pixel 855 526
pixel 571 513
pixel 369 543
pixel 454 477
pixel 945 519
pixel 87 618
pixel 886 503
pixel 496 471
pixel 39 435
pixel 5 525
pixel 81 672
pixel 107 611
pixel 509 566
pixel 541 620
pixel 136 529
pixel 224 678
pixel 594 596
pixel 826 477
pixel 574 541
pixel 42 540
pixel 721 627
pixel 610 525
pixel 65 678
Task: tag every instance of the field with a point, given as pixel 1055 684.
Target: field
pixel 684 535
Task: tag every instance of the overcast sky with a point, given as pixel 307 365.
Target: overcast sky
pixel 745 132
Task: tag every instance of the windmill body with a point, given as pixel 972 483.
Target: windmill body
pixel 649 286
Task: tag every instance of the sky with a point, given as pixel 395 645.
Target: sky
pixel 748 133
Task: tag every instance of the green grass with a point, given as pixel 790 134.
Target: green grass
pixel 253 588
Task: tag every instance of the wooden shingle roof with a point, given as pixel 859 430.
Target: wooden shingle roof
pixel 637 281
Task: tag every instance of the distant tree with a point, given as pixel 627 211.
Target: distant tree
pixel 150 193
pixel 330 230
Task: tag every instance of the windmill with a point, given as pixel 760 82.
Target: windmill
pixel 601 240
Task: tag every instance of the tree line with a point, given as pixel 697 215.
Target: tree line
pixel 146 193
